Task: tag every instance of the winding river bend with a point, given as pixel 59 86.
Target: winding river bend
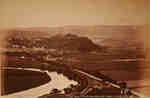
pixel 58 81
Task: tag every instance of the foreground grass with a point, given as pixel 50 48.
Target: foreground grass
pixel 19 80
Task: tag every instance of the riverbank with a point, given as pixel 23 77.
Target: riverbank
pixel 45 88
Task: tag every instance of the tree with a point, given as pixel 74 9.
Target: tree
pixel 54 91
pixel 67 90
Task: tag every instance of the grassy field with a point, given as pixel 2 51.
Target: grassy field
pixel 18 80
pixel 106 63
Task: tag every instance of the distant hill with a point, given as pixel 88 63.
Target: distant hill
pixel 72 42
pixel 116 36
pixel 64 42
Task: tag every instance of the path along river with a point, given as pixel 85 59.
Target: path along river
pixel 58 81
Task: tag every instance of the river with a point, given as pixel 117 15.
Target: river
pixel 58 81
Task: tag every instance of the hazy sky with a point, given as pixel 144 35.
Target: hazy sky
pixel 35 13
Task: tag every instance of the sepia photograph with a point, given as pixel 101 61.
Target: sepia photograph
pixel 74 49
